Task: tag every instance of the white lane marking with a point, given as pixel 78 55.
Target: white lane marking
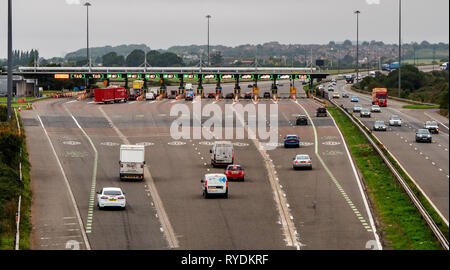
pixel 94 175
pixel 339 186
pixel 72 198
pixel 132 102
pixel 161 212
pixel 71 101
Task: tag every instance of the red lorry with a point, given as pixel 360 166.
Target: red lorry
pixel 379 97
pixel 105 95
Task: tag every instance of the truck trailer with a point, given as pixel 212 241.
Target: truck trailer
pixel 132 162
pixel 110 95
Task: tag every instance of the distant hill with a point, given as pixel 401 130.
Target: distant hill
pixel 100 51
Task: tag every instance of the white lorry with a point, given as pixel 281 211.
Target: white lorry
pixel 132 162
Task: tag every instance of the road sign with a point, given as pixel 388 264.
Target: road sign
pixel 284 76
pixel 97 76
pixel 170 76
pixel 303 76
pixel 62 76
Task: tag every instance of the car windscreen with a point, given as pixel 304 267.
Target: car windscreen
pixel 433 124
pixel 395 118
pixel 234 168
pixel 302 157
pixel 423 131
pixel 291 138
pixel 381 96
pixel 112 192
pixel 379 123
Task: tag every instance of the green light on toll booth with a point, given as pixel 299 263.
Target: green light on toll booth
pixel 226 76
pixel 190 76
pixel 134 76
pixel 209 76
pixel 169 76
pixel 114 76
pixel 246 76
pixel 265 76
pixel 152 76
pixel 77 76
pixel 284 76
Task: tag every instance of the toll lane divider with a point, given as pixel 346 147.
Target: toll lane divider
pixel 431 223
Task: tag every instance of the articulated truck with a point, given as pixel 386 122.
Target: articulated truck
pixel 132 162
pixel 112 95
pixel 379 97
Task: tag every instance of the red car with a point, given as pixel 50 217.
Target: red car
pixel 234 172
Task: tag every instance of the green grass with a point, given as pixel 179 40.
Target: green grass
pixel 7 235
pixel 401 224
pixel 421 107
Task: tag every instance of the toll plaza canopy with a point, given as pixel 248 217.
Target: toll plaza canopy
pixel 171 73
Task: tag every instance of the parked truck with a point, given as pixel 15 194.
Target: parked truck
pixel 110 95
pixel 132 162
pixel 379 97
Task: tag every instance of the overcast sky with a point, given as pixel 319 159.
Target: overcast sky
pixel 56 27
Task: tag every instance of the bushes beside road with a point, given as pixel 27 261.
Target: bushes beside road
pixel 10 185
pixel 428 87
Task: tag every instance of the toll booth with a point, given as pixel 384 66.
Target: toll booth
pixel 274 90
pixel 200 91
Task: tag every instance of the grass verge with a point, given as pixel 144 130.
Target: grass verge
pixel 400 223
pixel 421 107
pixel 11 187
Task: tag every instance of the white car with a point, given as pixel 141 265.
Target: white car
pixel 375 108
pixel 302 161
pixel 395 121
pixel 150 96
pixel 111 197
pixel 215 184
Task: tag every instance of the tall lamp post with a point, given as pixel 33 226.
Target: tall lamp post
pixel 208 17
pixel 87 5
pixel 399 46
pixel 357 45
pixel 10 67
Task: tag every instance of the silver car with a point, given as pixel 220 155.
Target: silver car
pixel 365 113
pixel 375 108
pixel 379 126
pixel 395 121
pixel 302 161
pixel 357 108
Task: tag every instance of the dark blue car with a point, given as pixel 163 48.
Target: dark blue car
pixel 291 141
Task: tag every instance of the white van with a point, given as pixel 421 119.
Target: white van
pixel 215 184
pixel 222 153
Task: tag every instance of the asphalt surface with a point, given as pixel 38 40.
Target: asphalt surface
pixel 427 164
pixel 325 207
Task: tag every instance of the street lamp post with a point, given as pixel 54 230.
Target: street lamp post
pixel 357 45
pixel 10 67
pixel 399 46
pixel 87 5
pixel 208 17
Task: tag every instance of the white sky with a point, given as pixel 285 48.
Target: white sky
pixel 56 27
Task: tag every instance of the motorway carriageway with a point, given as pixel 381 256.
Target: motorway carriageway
pixel 427 164
pixel 275 208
